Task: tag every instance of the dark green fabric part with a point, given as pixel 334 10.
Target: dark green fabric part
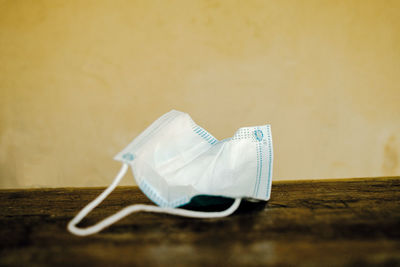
pixel 208 203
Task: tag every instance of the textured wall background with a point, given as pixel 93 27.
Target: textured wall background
pixel 80 79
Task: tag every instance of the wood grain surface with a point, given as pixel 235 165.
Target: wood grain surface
pixel 351 222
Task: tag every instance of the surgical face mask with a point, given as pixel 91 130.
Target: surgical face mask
pixel 175 160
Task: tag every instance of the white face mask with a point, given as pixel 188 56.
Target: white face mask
pixel 174 160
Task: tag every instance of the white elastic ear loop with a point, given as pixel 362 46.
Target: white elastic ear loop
pixel 135 208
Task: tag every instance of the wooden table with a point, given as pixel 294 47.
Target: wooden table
pixel 352 222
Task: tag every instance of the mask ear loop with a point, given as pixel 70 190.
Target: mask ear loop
pixel 135 208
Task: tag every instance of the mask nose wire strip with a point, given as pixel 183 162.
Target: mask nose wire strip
pixel 135 208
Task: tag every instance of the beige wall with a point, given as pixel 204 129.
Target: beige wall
pixel 80 79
